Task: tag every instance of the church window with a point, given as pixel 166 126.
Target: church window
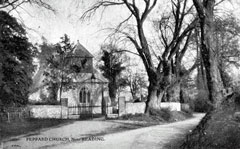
pixel 84 95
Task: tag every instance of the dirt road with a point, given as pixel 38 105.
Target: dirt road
pixel 154 137
pixel 55 136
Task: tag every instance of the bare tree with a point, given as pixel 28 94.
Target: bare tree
pixel 158 75
pixel 175 35
pixel 205 10
pixel 10 5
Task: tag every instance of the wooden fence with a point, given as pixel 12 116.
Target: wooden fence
pixel 15 114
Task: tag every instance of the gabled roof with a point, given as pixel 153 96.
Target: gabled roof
pixel 99 76
pixel 80 50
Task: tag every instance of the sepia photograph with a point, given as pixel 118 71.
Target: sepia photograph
pixel 119 74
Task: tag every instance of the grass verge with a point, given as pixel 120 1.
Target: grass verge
pixel 217 130
pixel 157 116
pixel 28 125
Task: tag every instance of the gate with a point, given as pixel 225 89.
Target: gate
pixel 84 111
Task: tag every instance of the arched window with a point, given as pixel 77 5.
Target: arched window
pixel 84 95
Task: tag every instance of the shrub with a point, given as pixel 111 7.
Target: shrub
pixel 229 138
pixel 44 103
pixel 202 105
pixel 237 116
pixel 237 99
pixel 201 102
pixel 192 104
pixel 219 129
pixel 164 113
pixel 187 110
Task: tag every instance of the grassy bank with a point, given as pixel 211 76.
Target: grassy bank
pixel 158 116
pixel 217 130
pixel 28 125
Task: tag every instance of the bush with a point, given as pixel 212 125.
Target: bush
pixel 44 103
pixel 192 104
pixel 237 99
pixel 236 116
pixel 164 113
pixel 201 102
pixel 219 129
pixel 230 137
pixel 187 110
pixel 202 105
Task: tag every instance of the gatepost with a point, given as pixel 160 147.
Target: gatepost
pixel 121 106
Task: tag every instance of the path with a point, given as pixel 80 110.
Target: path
pixel 148 137
pixel 154 137
pixel 52 136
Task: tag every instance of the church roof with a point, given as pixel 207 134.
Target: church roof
pixel 99 76
pixel 80 50
pixel 86 77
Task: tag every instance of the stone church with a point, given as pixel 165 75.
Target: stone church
pixel 90 87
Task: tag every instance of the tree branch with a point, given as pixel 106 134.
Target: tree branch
pixel 148 9
pixel 92 10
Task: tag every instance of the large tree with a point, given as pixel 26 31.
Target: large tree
pixel 158 72
pixel 209 51
pixel 112 67
pixel 226 34
pixel 16 67
pixel 42 79
pixel 59 69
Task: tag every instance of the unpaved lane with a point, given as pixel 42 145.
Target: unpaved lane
pixel 154 137
pixel 58 135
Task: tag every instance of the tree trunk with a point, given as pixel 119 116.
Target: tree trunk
pixel 152 100
pixel 216 84
pixel 133 92
pixel 209 51
pixel 154 90
pixel 173 93
pixel 112 93
pixel 171 75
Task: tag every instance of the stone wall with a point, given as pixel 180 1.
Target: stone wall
pixel 48 111
pixel 173 106
pixel 135 108
pixel 98 110
pixel 54 111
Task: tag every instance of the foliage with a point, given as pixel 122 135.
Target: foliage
pixel 164 113
pixel 226 32
pixel 188 110
pixel 28 126
pixel 112 67
pixel 16 66
pixel 156 116
pixel 237 99
pixel 58 71
pixel 226 78
pixel 217 129
pixel 201 103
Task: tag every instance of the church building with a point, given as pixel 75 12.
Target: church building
pixel 89 92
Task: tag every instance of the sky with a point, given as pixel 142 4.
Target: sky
pixel 42 22
pixel 66 20
pixel 90 33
